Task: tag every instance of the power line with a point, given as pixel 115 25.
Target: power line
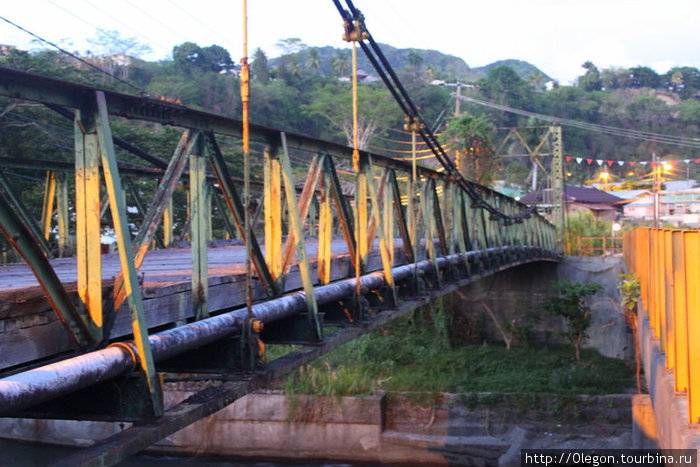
pixel 605 129
pixel 85 62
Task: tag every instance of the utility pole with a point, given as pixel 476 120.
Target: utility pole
pixel 558 189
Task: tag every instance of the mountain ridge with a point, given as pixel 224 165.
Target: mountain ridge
pixel 444 66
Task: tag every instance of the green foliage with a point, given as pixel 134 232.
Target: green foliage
pixel 630 290
pixel 470 138
pixel 572 305
pixel 643 77
pixel 583 224
pixel 591 80
pixel 189 55
pixel 414 354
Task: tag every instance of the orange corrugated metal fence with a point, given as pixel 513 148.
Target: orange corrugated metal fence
pixel 667 262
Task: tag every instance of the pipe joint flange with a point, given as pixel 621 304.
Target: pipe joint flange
pixel 129 348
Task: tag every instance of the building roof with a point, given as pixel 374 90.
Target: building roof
pixel 631 194
pixel 576 194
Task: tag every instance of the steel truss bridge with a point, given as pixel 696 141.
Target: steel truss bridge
pixel 91 336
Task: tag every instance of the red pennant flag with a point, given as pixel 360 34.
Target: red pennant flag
pixel 568 158
pixel 653 163
pixel 697 161
pixel 590 161
pixel 632 163
pixel 610 163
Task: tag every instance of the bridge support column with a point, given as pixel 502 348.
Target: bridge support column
pixel 198 230
pixel 87 216
pixel 273 212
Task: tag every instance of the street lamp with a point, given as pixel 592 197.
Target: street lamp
pixel 605 175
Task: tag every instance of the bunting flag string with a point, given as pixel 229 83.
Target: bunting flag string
pixel 610 163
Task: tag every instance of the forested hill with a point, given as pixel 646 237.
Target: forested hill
pixel 306 91
pixel 442 66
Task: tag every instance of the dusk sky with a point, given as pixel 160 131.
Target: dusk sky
pixel 555 35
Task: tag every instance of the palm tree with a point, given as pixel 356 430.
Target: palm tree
pixel 340 64
pixel 313 61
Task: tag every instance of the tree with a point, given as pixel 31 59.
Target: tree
pixel 216 58
pixel 415 60
pixel 290 45
pixel 537 80
pixel 259 66
pixel 113 51
pixel 470 138
pixel 340 65
pixel 107 43
pixel 504 86
pixel 590 81
pixel 683 80
pixel 572 304
pixel 614 78
pixel 332 101
pixel 643 77
pixel 188 54
pixel 313 60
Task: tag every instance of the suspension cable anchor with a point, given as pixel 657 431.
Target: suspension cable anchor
pixel 355 30
pixel 413 124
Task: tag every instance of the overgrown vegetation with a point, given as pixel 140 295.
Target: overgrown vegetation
pixel 631 291
pixel 573 305
pixel 413 354
pixel 583 224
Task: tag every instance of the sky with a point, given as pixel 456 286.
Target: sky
pixel 557 36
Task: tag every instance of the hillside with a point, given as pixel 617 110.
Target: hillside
pixel 522 68
pixel 443 66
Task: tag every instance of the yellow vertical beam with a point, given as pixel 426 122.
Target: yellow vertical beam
pixel 680 318
pixel 47 207
pixel 87 209
pixel 411 196
pixel 64 239
pixel 361 222
pixel 168 224
pixel 641 253
pixel 691 240
pixel 325 233
pixel 388 220
pixel 668 300
pixel 654 281
pixel 273 212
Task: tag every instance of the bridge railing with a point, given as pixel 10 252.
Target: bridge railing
pixel 667 263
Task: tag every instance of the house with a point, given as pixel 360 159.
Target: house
pixel 362 77
pixel 675 207
pixel 602 204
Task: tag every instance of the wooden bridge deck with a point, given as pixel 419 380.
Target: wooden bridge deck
pixel 30 330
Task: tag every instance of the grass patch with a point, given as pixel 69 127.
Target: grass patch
pixel 414 354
